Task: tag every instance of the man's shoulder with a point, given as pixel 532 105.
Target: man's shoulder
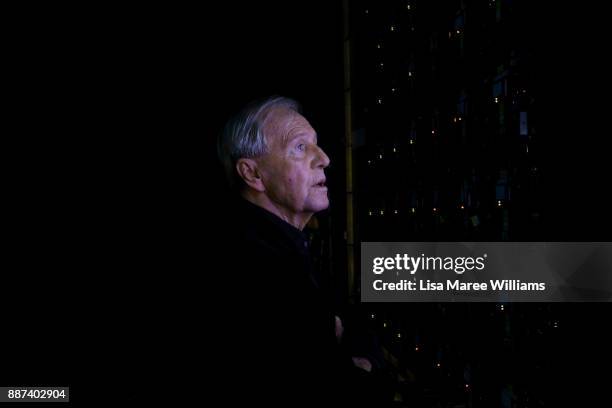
pixel 251 228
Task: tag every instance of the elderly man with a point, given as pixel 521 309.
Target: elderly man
pixel 290 338
pixel 270 154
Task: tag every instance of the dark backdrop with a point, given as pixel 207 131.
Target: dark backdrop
pixel 115 191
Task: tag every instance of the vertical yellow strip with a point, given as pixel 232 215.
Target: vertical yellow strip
pixel 348 137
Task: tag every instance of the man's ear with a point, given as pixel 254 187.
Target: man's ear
pixel 249 172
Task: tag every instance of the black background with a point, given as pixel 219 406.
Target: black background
pixel 114 189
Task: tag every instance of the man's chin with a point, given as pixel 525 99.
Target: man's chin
pixel 320 205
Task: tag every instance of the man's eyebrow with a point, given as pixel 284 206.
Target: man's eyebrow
pixel 287 139
pixel 296 135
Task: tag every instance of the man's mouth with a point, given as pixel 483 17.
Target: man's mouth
pixel 320 184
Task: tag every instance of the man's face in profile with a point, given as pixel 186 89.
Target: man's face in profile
pixel 292 170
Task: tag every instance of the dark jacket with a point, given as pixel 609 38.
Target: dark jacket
pixel 249 324
pixel 282 340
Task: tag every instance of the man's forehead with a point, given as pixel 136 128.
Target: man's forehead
pixel 283 124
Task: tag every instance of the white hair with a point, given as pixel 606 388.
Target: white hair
pixel 243 135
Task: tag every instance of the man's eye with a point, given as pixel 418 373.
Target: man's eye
pixel 301 147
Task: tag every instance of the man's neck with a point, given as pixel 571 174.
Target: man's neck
pixel 299 221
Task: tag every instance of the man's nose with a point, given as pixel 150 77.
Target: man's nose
pixel 321 160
